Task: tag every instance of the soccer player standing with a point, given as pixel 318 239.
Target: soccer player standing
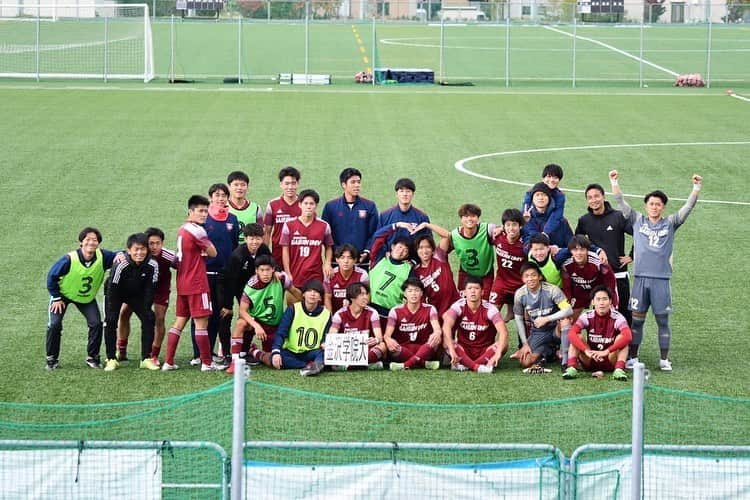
pixel 436 275
pixel 246 211
pixel 75 279
pixel 281 210
pixel 510 257
pixel 653 240
pixel 193 295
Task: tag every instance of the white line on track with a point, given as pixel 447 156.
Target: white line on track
pixel 615 49
pixel 460 164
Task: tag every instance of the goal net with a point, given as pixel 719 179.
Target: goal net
pixel 104 41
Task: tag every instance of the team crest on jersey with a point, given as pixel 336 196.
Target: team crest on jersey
pixel 230 226
pixel 362 214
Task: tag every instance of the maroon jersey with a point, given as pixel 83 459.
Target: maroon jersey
pixel 474 329
pixel 578 281
pixel 344 321
pixel 602 331
pixel 510 258
pixel 306 248
pixel 279 212
pixel 166 261
pixel 412 328
pixel 192 240
pixel 336 285
pixel 439 287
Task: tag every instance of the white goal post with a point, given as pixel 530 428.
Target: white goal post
pixel 76 41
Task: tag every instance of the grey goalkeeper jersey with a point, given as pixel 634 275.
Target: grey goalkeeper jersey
pixel 653 242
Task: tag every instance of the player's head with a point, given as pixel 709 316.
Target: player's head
pixel 595 198
pixel 552 174
pixel 539 247
pixel 601 299
pixel 218 194
pixel 531 275
pixel 470 214
pixel 405 189
pixel 86 231
pixel 253 234
pixel 238 183
pixel 351 181
pixel 579 247
pixel 289 181
pixel 359 293
pixel 540 196
pixel 473 288
pixel 425 247
pixel 137 247
pixel 197 209
pixel 413 290
pixel 346 256
pixel 312 293
pixel 512 220
pixel 655 202
pixel 400 248
pixel 308 202
pixel 155 240
pixel 265 266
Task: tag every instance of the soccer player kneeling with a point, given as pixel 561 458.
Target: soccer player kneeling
pixel 605 347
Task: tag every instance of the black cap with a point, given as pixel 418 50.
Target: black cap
pixel 540 186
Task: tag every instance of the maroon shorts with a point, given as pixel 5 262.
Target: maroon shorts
pixel 499 296
pixel 194 306
pixel 161 297
pixel 603 366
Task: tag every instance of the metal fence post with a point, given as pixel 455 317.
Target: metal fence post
pixel 442 46
pixel 238 430
pixel 171 49
pixel 708 48
pixel 239 50
pixel 38 35
pixel 639 384
pixel 106 42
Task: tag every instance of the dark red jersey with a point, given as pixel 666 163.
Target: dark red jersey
pixel 306 244
pixel 578 281
pixel 344 321
pixel 279 212
pixel 192 241
pixel 474 329
pixel 336 285
pixel 412 327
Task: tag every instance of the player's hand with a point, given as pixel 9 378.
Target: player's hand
pixel 625 260
pixel 391 344
pixel 453 355
pixel 434 339
pixel 276 360
pixel 526 212
pixel 697 179
pixel 364 256
pixel 554 250
pixel 225 312
pixel 413 229
pixel 261 333
pixel 328 271
pixel 372 341
pixel 603 256
pixel 541 321
pixel 614 176
pixel 119 257
pixel 523 351
pixel 57 307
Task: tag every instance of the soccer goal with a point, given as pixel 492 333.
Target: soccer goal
pixel 83 40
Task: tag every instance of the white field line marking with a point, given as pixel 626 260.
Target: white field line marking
pixel 21 49
pixel 460 164
pixel 741 98
pixel 615 49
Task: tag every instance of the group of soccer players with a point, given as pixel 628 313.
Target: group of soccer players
pixel 296 277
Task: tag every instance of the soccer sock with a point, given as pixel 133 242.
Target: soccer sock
pixel 122 347
pixel 173 338
pixel 637 330
pixel 374 355
pixel 664 330
pixel 619 365
pixel 464 358
pixel 236 347
pixel 204 345
pixel 564 344
pixel 485 357
pixel 155 350
pixel 405 353
pixel 573 363
pixel 424 353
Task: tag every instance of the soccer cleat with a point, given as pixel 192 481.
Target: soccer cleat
pixel 230 370
pixel 166 367
pixel 195 362
pixel 217 359
pixel 148 364
pixel 52 364
pixel 121 356
pixel 378 365
pixel 629 363
pixel 458 367
pixel 213 367
pixel 571 373
pixel 93 362
pixel 665 365
pixel 312 369
pixel 112 365
pixel 396 367
pixel 485 369
pixel 619 374
pixel 432 365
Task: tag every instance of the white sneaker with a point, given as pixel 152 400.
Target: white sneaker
pixel 195 362
pixel 458 368
pixel 396 367
pixel 665 365
pixel 629 363
pixel 166 367
pixel 432 365
pixel 378 365
pixel 484 369
pixel 213 367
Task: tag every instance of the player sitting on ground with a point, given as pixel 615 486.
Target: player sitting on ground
pixel 413 334
pixel 605 347
pixel 544 304
pixel 358 317
pixel 344 274
pixel 261 306
pixel 481 338
pixel 299 337
pixel 132 282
